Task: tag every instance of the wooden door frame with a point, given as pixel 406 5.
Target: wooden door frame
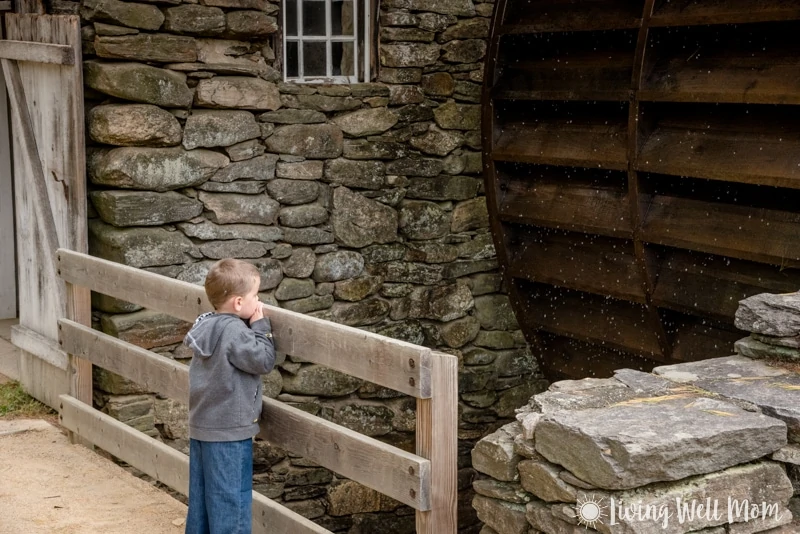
pixel 8 255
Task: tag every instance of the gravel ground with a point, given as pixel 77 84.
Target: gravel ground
pixel 49 486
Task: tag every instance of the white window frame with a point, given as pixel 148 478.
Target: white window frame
pixel 328 39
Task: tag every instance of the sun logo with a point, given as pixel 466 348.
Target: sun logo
pixel 590 511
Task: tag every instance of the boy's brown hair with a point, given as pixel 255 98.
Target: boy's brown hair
pixel 229 278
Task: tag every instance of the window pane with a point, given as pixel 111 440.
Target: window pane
pixel 292 61
pixel 342 15
pixel 343 59
pixel 291 17
pixel 314 17
pixel 314 58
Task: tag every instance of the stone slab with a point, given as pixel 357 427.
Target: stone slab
pixel 653 439
pixel 727 498
pixel 771 315
pixel 775 390
pixel 504 517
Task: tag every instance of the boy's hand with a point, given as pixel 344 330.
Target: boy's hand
pixel 258 314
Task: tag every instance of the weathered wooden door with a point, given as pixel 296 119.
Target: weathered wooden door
pixel 41 62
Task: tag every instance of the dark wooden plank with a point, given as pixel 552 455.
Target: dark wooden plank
pixel 761 235
pixel 556 67
pixel 565 141
pixel 613 323
pixel 723 66
pixel 514 92
pixel 736 156
pixel 593 264
pixel 712 286
pixel 697 12
pixel 567 358
pixel 695 338
pixel 560 15
pixel 583 207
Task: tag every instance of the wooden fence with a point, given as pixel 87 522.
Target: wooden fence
pixel 426 481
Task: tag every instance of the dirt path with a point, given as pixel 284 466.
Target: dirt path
pixel 48 486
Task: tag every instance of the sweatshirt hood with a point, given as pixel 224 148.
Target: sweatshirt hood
pixel 207 331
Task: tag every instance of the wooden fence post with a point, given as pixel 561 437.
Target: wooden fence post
pixel 440 414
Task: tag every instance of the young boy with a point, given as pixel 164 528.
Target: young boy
pixel 232 348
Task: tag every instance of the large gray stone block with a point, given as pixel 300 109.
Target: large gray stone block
pixel 142 16
pixel 139 83
pixel 453 116
pixel 138 247
pixel 770 315
pixel 338 265
pixel 155 47
pixel 776 391
pixel 293 192
pixel 409 55
pixel 144 208
pixel 423 220
pixel 753 348
pixel 316 141
pixel 134 125
pixel 303 216
pixel 319 380
pixel 146 328
pixel 365 312
pixel 504 517
pixel 494 455
pixel 620 447
pixel 318 102
pixel 219 128
pixel 438 142
pixel 154 169
pixel 237 92
pixel 227 208
pixel 359 221
pixel 730 496
pixel 361 174
pixel 209 231
pixel 195 19
pixel 237 248
pixel 461 8
pixel 257 168
pixel 366 121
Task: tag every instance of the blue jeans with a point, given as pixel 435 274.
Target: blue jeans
pixel 220 487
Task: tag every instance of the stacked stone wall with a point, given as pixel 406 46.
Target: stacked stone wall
pixel 651 449
pixel 361 204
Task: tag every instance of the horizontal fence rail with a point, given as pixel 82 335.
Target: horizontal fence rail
pixel 167 465
pixel 425 481
pixel 391 363
pixel 397 473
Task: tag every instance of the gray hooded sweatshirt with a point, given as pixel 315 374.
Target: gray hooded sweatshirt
pixel 224 376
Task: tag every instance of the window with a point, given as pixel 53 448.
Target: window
pixel 324 41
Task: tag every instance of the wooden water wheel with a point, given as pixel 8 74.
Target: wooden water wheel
pixel 642 167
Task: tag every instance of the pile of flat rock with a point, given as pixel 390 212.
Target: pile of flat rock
pixel 774 324
pixel 711 447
